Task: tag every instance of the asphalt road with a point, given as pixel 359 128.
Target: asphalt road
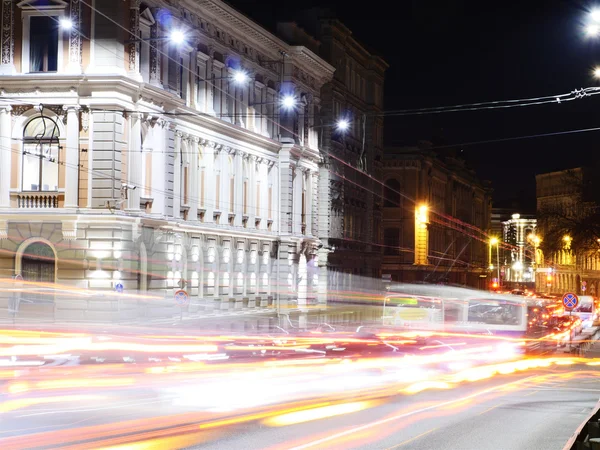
pixel 530 410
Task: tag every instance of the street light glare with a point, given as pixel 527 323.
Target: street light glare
pixel 177 37
pixel 240 77
pixel 592 30
pixel 493 241
pixel 343 124
pixel 66 23
pixel 288 101
pixel 596 72
pixel 595 15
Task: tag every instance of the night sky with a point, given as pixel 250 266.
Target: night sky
pixel 455 52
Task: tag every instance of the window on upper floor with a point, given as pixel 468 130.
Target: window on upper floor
pixel 43 44
pixel 391 241
pixel 40 155
pixel 391 197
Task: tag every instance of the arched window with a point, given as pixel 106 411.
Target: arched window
pixel 391 196
pixel 40 155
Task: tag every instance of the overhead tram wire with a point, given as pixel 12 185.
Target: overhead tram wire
pixel 556 99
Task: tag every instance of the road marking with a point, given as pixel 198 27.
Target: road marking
pixel 404 415
pixel 418 436
pixel 489 409
pixel 531 393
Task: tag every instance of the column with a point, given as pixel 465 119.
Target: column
pixel 134 163
pixel 7 66
pixel 155 55
pixel 309 201
pixel 5 155
pixel 134 46
pixel 297 200
pixel 74 65
pixel 314 207
pixel 194 174
pixel 72 157
pixel 177 176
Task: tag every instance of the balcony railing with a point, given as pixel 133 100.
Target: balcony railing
pixel 38 200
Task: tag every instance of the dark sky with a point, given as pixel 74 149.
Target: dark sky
pixel 444 52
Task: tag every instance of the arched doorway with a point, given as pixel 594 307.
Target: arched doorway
pixel 38 263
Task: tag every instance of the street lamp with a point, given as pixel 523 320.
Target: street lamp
pixel 342 125
pixel 65 23
pixel 177 37
pixel 239 77
pixel 495 241
pixel 288 101
pixel 596 72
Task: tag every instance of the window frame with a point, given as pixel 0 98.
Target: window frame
pixel 26 16
pixel 53 140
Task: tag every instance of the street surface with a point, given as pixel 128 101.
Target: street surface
pixel 533 410
pixel 145 388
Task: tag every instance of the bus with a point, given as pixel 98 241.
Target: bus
pixel 454 309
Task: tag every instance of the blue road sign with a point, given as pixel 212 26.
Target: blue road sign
pixel 119 288
pixel 570 300
pixel 181 297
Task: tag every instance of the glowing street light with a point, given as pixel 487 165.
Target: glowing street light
pixel 177 37
pixel 595 15
pixel 240 77
pixel 596 73
pixel 66 23
pixel 494 241
pixel 288 101
pixel 592 30
pixel 342 125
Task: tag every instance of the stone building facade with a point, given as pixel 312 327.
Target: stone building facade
pixel 436 217
pixel 350 177
pixel 134 156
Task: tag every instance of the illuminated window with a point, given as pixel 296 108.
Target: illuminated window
pixel 40 155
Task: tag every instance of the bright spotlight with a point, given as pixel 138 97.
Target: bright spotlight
pixel 596 72
pixel 595 15
pixel 177 37
pixel 342 125
pixel 240 77
pixel 66 23
pixel 288 101
pixel 592 30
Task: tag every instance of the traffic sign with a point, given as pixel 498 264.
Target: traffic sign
pixel 570 300
pixel 119 288
pixel 181 297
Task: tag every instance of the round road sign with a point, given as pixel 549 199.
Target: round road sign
pixel 181 297
pixel 570 300
pixel 119 287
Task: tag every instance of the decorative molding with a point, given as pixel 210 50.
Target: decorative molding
pixel 154 54
pixel 75 47
pixel 8 32
pixel 85 119
pixel 134 29
pixel 19 110
pixel 69 230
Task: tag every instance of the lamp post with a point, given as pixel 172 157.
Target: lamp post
pixel 495 241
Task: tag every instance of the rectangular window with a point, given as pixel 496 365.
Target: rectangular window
pixel 185 185
pixel 245 207
pixel 202 175
pixel 258 199
pixel 148 184
pixel 217 191
pixel 231 193
pixel 303 208
pixel 43 44
pixel 270 200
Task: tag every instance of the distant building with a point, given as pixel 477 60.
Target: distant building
pixel 564 197
pixel 350 173
pixel 436 214
pixel 518 251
